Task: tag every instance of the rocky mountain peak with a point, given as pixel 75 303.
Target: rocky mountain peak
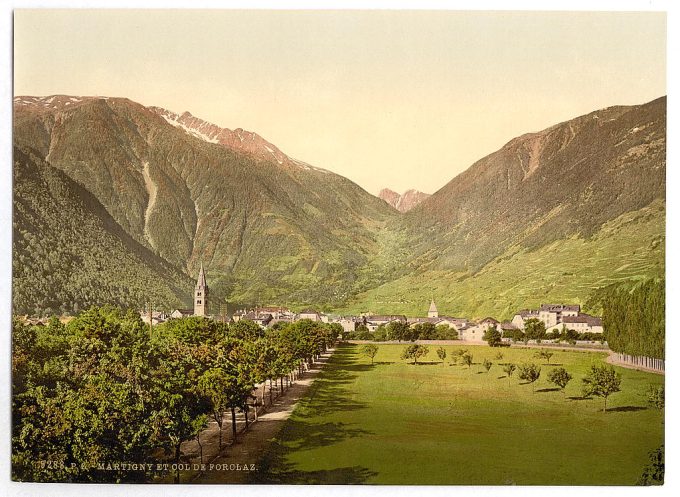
pixel 402 202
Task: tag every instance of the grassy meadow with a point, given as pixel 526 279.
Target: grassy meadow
pixel 393 422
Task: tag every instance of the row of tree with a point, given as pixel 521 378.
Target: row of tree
pixel 403 332
pixel 106 389
pixel 635 319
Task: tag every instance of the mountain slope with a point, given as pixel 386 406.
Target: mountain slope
pixel 553 215
pixel 264 228
pixel 69 253
pixel 402 202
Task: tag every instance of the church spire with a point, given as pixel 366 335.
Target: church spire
pixel 433 312
pixel 201 278
pixel 201 294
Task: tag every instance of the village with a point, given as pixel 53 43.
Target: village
pixel 555 319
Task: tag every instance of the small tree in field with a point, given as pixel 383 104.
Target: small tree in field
pixel 487 364
pixel 545 354
pixel 601 381
pixel 499 356
pixel 529 372
pixel 441 353
pixel 415 352
pixel 559 377
pixel 508 369
pixel 454 358
pixel 656 396
pixel 467 359
pixel 370 350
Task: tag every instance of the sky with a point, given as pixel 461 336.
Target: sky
pixel 399 99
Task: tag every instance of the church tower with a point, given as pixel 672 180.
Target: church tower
pixel 433 312
pixel 201 295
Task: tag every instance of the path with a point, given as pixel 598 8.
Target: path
pixel 251 445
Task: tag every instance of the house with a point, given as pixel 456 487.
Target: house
pixel 552 314
pixel 472 332
pixel 522 316
pixel 583 323
pixel 181 313
pixel 260 318
pixel 309 314
pixel 347 323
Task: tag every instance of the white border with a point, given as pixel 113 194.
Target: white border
pixel 673 246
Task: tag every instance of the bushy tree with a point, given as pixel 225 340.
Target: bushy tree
pixel 545 354
pixel 487 364
pixel 656 396
pixel 466 359
pixel 441 353
pixel 529 372
pixel 559 377
pixel 534 329
pixel 415 352
pixel 601 381
pixel 492 336
pixel 654 472
pixel 370 350
pixel 508 369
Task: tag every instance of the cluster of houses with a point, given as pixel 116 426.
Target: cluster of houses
pixel 554 316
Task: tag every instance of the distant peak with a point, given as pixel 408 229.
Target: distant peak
pixel 404 202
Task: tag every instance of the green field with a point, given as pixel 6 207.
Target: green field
pixel 399 423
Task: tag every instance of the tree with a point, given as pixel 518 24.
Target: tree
pixel 399 330
pixel 214 385
pixel 545 354
pixel 441 353
pixel 529 372
pixel 653 473
pixel 487 364
pixel 601 381
pixel 559 377
pixel 499 356
pixel 492 336
pixel 517 335
pixel 534 329
pixel 370 350
pixel 656 395
pixel 508 369
pixel 425 331
pixel 415 352
pixel 467 359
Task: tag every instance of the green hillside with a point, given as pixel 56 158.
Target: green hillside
pixel 629 248
pixel 70 254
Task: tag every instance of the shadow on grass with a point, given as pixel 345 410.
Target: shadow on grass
pixel 627 409
pixel 580 398
pixel 501 377
pixel 329 393
pixel 548 390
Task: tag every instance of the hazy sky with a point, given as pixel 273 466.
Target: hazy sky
pixel 389 99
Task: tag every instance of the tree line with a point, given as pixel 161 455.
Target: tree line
pixel 403 332
pixel 105 388
pixel 634 319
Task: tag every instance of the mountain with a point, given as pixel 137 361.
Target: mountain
pixel 265 227
pixel 69 253
pixel 118 202
pixel 404 202
pixel 551 215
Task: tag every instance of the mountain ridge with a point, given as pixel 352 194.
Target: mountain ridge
pixel 270 228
